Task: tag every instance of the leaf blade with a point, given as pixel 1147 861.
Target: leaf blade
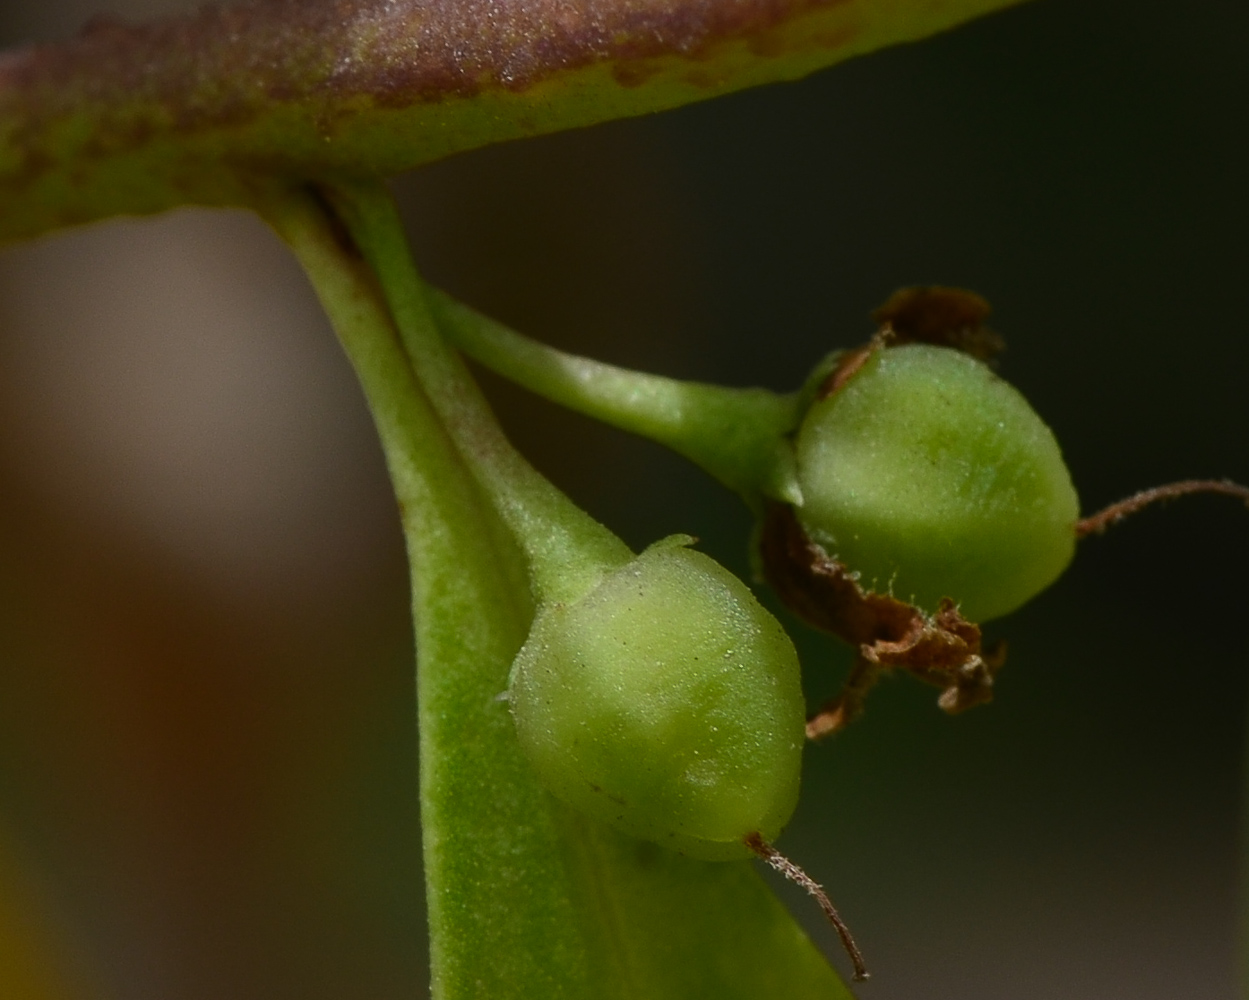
pixel 139 119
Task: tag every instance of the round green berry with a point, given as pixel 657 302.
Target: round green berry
pixel 667 703
pixel 930 477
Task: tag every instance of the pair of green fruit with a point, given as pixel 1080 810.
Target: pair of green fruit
pixel 666 701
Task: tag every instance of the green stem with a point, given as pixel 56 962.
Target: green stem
pixel 568 550
pixel 737 435
pixel 471 612
pixel 418 452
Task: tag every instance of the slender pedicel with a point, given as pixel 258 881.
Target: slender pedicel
pixel 1096 524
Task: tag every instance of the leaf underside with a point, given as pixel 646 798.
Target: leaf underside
pixel 138 119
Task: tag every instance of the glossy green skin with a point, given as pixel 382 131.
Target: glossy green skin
pixel 667 703
pixel 931 477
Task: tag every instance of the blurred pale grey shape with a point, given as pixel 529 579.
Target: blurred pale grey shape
pixel 174 378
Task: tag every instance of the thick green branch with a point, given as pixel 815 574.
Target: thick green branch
pixel 139 119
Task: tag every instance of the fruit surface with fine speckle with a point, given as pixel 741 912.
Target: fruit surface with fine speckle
pixel 931 477
pixel 667 703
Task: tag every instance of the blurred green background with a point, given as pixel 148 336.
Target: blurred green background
pixel 207 753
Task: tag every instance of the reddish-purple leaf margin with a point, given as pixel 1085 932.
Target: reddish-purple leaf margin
pixel 136 119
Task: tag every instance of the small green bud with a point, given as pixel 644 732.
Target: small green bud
pixel 666 702
pixel 930 477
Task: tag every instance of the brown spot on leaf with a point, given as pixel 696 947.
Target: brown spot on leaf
pixel 635 73
pixel 943 649
pixel 766 45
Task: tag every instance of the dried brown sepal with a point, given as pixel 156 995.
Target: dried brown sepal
pixel 946 317
pixel 942 649
pixel 847 705
pixel 851 361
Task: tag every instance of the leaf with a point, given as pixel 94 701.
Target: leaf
pixel 139 119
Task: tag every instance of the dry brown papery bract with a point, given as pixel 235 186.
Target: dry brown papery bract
pixel 942 649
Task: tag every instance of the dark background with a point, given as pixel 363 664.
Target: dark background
pixel 207 752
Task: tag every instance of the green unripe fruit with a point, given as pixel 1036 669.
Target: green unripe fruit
pixel 666 702
pixel 931 477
